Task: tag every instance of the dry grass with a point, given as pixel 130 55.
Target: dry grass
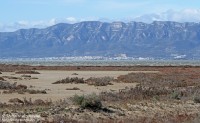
pixel 165 86
pixel 171 79
pixel 169 88
pixel 137 94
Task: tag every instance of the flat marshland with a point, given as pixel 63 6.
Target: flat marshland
pixel 144 94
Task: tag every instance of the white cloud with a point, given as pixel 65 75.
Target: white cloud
pixel 71 20
pixel 186 15
pixel 35 24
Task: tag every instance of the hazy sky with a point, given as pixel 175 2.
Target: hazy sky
pixel 34 10
pixel 19 13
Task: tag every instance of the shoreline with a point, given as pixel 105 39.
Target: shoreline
pixel 12 67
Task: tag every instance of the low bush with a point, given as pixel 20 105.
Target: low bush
pixel 7 85
pixel 34 78
pixel 21 89
pixel 35 91
pixel 2 79
pixel 176 95
pixel 101 81
pixel 74 88
pixel 16 101
pixel 74 73
pixel 196 98
pixel 26 76
pixel 25 102
pixel 67 80
pixel 27 72
pixel 11 77
pixel 91 101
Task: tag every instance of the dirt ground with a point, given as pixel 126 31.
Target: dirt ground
pixel 58 91
pixel 155 106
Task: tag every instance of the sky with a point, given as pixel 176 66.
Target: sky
pixel 17 14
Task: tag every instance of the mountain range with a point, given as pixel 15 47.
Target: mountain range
pixel 160 39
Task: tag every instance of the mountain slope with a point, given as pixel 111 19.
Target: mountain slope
pixel 158 39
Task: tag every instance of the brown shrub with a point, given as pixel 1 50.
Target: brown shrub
pixel 68 80
pixel 101 81
pixel 7 85
pixel 21 87
pixel 8 92
pixel 35 91
pixel 2 79
pixel 16 101
pixel 74 88
pixel 27 102
pixel 26 76
pixel 11 77
pixel 27 72
pixel 39 102
pixel 74 73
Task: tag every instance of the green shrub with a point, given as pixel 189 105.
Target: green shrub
pixel 78 99
pixel 91 101
pixel 176 95
pixel 196 98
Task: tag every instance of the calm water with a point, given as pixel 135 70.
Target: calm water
pixel 43 62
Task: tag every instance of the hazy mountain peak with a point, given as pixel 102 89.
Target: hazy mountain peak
pixel 159 39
